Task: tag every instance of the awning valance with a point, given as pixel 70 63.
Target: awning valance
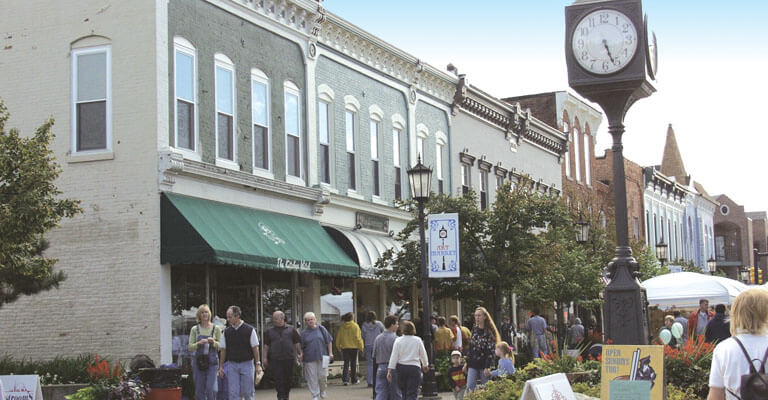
pixel 365 248
pixel 198 231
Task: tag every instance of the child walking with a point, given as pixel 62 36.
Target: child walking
pixel 458 379
pixel 506 361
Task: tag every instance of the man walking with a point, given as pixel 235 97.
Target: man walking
pixel 282 352
pixel 240 350
pixel 718 329
pixel 506 330
pixel 697 322
pixel 537 327
pixel 382 350
pixel 576 333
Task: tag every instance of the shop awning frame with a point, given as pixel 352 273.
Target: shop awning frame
pixel 199 231
pixel 365 248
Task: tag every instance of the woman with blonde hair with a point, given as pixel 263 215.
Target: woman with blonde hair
pixel 482 345
pixel 204 340
pixel 747 345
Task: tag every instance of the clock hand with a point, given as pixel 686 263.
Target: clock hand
pixel 605 43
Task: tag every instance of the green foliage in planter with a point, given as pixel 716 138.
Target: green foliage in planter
pixel 503 389
pixel 588 389
pixel 59 370
pixel 442 367
pixel 689 366
pixel 676 393
pixel 87 393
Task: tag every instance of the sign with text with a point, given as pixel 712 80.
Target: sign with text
pixel 443 231
pixel 21 387
pixel 550 387
pixel 632 363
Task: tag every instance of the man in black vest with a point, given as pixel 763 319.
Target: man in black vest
pixel 282 351
pixel 240 350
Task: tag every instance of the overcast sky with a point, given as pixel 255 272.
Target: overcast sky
pixel 712 80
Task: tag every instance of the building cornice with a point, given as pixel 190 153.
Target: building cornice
pixel 347 39
pixel 300 16
pixel 518 124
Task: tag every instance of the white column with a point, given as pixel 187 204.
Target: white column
pixel 166 344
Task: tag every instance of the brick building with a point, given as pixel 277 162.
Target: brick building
pixel 635 192
pixel 733 238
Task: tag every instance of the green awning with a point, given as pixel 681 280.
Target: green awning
pixel 197 231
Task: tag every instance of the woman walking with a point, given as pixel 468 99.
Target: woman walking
pixel 482 345
pixel 349 342
pixel 371 329
pixel 749 334
pixel 204 339
pixel 315 345
pixel 408 359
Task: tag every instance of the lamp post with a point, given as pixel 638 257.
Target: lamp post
pixel 712 265
pixel 661 251
pixel 420 177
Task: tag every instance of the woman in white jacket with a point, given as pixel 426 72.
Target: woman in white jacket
pixel 409 358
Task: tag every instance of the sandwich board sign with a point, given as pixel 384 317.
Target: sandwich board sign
pixel 632 372
pixel 21 387
pixel 550 387
pixel 443 230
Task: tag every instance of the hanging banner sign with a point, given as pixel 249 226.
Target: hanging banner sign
pixel 443 231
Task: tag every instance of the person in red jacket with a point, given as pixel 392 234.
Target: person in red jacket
pixel 697 322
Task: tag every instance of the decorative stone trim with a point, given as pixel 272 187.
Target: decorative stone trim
pixel 484 165
pixel 302 16
pixel 398 122
pixel 500 171
pixel 466 158
pixel 325 93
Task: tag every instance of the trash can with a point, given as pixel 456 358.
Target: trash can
pixel 164 383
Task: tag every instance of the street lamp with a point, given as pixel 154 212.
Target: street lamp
pixel 582 230
pixel 420 177
pixel 661 251
pixel 712 265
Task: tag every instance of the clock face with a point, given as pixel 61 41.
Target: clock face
pixel 604 41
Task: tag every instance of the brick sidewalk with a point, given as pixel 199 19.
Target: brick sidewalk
pixel 336 391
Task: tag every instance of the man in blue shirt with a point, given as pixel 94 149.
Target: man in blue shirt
pixel 537 327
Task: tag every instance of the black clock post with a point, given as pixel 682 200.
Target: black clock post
pixel 605 28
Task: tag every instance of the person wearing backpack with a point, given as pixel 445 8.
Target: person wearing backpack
pixel 204 341
pixel 739 362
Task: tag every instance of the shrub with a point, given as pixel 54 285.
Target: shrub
pixel 676 393
pixel 442 366
pixel 503 389
pixel 59 370
pixel 689 366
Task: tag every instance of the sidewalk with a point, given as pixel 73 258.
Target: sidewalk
pixel 336 391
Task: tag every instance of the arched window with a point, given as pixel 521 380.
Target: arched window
pixel 567 130
pixel 293 138
pixel 226 143
pixel 185 92
pixel 576 151
pixel 262 135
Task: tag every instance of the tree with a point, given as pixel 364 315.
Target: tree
pixel 648 265
pixel 29 207
pixel 499 247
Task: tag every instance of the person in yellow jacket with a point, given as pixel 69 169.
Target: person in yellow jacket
pixel 349 340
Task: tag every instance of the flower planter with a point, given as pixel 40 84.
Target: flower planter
pixel 574 377
pixel 57 392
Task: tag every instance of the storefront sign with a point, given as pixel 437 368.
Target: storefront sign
pixel 372 222
pixel 294 265
pixel 550 387
pixel 632 363
pixel 443 245
pixel 21 387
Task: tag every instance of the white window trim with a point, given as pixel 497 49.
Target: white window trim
pixel 291 88
pixel 567 130
pixel 99 154
pixel 349 108
pixel 587 172
pixel 259 76
pixel 398 122
pixel 351 103
pixel 399 146
pixel 185 46
pixel 376 113
pixel 376 120
pixel 328 101
pixel 441 138
pixel 325 93
pixel 222 61
pixel 439 161
pixel 577 154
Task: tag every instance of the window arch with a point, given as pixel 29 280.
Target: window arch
pixel 567 130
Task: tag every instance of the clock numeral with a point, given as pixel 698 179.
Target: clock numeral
pixel 584 55
pixel 592 64
pixel 584 31
pixel 626 52
pixel 606 65
pixel 604 18
pixel 580 43
pixel 591 22
pixel 629 39
pixel 616 62
pixel 625 28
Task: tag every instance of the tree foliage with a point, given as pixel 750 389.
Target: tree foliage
pixel 29 207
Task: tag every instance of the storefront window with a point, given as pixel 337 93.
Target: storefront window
pixel 399 302
pixel 187 294
pixel 335 301
pixel 238 287
pixel 277 296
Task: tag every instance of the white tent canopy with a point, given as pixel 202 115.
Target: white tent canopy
pixel 685 289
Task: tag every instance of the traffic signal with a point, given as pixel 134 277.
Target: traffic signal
pixel 752 275
pixel 760 276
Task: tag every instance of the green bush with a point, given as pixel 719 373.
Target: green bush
pixel 588 389
pixel 676 393
pixel 59 370
pixel 442 366
pixel 504 389
pixel 688 367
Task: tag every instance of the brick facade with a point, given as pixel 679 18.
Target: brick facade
pixel 635 190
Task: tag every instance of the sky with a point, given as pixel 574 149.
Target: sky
pixel 712 80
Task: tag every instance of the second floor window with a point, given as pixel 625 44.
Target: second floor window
pixel 260 119
pixel 186 95
pixel 325 142
pixel 375 157
pixel 466 181
pixel 439 167
pixel 499 182
pixel 349 130
pixel 225 109
pixel 396 162
pixel 577 154
pixel 91 87
pixel 483 190
pixel 566 129
pixel 292 130
pixel 420 148
pixel 587 172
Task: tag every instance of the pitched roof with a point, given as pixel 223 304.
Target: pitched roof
pixel 672 162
